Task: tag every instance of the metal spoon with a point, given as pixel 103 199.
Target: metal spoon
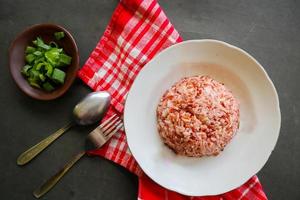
pixel 88 111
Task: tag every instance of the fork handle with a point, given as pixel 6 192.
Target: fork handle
pixel 31 153
pixel 50 183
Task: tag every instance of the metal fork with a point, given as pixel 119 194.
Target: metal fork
pixel 99 136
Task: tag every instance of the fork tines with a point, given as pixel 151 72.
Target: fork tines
pixel 111 126
pixel 106 130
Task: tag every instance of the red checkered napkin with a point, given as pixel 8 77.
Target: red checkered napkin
pixel 137 31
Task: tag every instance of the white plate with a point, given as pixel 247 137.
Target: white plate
pixel 248 151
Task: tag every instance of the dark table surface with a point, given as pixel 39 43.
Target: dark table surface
pixel 269 30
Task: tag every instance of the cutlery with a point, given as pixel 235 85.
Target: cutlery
pixel 98 137
pixel 88 111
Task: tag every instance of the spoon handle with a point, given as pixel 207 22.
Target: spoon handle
pixel 28 155
pixel 50 183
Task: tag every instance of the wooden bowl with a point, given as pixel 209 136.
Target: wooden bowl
pixel 17 58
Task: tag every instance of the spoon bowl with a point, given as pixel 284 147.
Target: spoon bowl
pixel 91 108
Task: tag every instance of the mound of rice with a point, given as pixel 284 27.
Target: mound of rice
pixel 197 116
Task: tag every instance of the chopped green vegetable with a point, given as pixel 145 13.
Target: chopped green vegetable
pixel 39 60
pixel 39 66
pixel 29 58
pixel 65 59
pixel 34 78
pixel 42 77
pixel 37 53
pixel 59 35
pixel 42 63
pixel 30 49
pixel 34 84
pixel 48 87
pixel 52 56
pixel 49 70
pixel 58 76
pixel 40 43
pixel 34 74
pixel 25 69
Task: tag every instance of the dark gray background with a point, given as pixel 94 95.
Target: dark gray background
pixel 269 30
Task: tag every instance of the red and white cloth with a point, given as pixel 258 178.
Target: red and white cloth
pixel 137 31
